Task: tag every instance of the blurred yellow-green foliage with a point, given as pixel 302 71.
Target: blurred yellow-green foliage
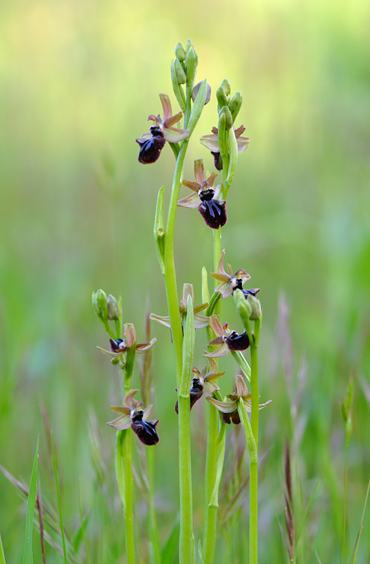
pixel 78 80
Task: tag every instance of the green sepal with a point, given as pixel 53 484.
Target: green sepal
pixel 180 73
pixel 180 52
pixel 226 86
pixel 159 232
pixel 177 89
pixel 221 98
pixel 191 63
pixel 228 117
pixel 235 104
pixel 247 428
pixel 188 44
pixel 197 106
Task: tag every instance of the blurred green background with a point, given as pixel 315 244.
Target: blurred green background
pixel 78 80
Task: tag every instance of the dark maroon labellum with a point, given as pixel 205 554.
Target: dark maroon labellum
pixel 231 417
pixel 237 342
pixel 213 212
pixel 151 149
pixel 217 160
pixel 145 430
pixel 251 292
pixel 114 345
pixel 196 392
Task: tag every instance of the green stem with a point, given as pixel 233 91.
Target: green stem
pixel 169 261
pixel 253 499
pixel 210 518
pixel 129 498
pixel 153 529
pixel 345 503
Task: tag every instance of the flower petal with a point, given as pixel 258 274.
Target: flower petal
pixel 170 121
pixel 224 406
pixel 143 347
pixel 211 179
pixel 221 351
pixel 210 142
pixel 192 185
pixel 109 353
pixel 120 409
pixel 224 290
pixel 238 132
pixel 174 135
pixel 199 171
pixel 216 325
pixel 144 137
pixel 191 201
pixel 129 401
pixel 166 105
pixel 242 143
pixel 200 321
pixel 162 319
pixel 220 268
pixel 200 307
pixel 121 423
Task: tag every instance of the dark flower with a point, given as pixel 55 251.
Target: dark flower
pixel 229 408
pixel 227 339
pixel 133 415
pixel 211 142
pixel 203 382
pixel 205 197
pixel 231 282
pixel 162 130
pixel 120 346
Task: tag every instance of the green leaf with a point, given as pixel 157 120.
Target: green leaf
pixel 2 555
pixel 221 441
pixel 159 232
pixel 170 549
pixel 246 424
pixel 198 106
pixel 27 550
pixel 80 533
pixel 205 291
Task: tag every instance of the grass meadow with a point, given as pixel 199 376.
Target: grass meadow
pixel 78 81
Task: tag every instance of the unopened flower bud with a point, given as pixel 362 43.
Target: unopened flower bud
pixel 243 306
pixel 226 86
pixel 235 104
pixel 99 301
pixel 256 307
pixel 228 117
pixel 113 309
pixel 180 73
pixel 221 98
pixel 188 44
pixel 191 63
pixel 180 52
pixel 196 90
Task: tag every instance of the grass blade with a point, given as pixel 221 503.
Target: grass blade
pixel 27 550
pixel 2 555
pixel 354 555
pixel 170 548
pixel 59 502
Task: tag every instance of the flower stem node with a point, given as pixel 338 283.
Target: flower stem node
pixel 135 416
pixel 162 130
pixel 204 197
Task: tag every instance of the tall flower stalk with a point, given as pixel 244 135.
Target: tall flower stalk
pixel 209 192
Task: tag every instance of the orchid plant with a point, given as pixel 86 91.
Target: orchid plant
pixel 187 322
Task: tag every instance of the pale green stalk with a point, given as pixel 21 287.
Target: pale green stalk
pixel 153 529
pixel 210 516
pixel 253 480
pixel 186 493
